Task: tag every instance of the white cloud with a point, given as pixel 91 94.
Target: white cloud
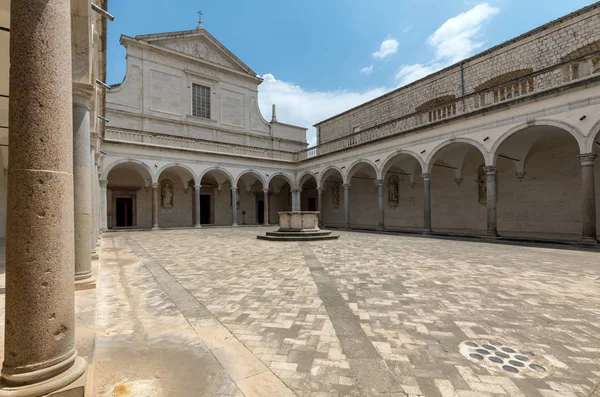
pixel 305 108
pixel 387 48
pixel 367 70
pixel 457 39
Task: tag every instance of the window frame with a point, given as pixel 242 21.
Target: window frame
pixel 193 97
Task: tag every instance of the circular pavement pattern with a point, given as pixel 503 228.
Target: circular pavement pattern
pixel 506 358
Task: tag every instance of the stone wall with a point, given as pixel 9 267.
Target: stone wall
pixel 541 48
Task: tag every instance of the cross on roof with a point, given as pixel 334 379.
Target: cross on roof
pixel 200 13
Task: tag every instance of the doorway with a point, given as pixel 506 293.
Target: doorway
pixel 260 211
pixel 205 209
pixel 312 203
pixel 124 212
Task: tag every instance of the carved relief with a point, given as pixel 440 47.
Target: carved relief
pixel 393 191
pixel 482 185
pixel 335 195
pixel 200 50
pixel 167 195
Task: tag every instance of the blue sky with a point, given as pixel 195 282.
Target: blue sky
pixel 321 57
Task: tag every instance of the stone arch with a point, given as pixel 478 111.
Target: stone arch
pixel 306 174
pixel 328 170
pixel 352 169
pixel 435 152
pixel 220 169
pixel 593 140
pixel 410 153
pixel 573 131
pixel 285 176
pixel 178 165
pixel 111 166
pixel 254 173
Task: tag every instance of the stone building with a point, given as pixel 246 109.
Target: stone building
pixel 503 143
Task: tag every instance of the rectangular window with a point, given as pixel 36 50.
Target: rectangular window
pixel 201 101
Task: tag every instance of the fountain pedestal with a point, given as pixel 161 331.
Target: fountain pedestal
pixel 299 226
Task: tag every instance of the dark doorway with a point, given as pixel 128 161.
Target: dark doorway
pixel 260 212
pixel 205 209
pixel 124 212
pixel 312 203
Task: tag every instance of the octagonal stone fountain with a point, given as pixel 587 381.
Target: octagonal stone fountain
pixel 299 226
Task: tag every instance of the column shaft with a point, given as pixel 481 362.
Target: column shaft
pixel 234 206
pixel 39 345
pixel 266 206
pixel 347 206
pixel 320 204
pixel 426 202
pixel 103 207
pixel 588 196
pixel 82 179
pixel 197 205
pixel 381 220
pixel 491 199
pixel 155 206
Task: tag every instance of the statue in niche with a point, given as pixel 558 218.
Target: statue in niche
pixel 335 195
pixel 393 190
pixel 167 195
pixel 482 184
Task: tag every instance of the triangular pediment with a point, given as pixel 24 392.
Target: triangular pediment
pixel 201 45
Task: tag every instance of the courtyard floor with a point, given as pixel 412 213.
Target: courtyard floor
pixel 216 312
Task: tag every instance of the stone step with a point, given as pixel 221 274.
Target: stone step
pixel 299 237
pixel 307 233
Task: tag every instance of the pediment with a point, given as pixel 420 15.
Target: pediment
pixel 201 45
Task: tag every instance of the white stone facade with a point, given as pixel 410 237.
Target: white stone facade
pixel 502 158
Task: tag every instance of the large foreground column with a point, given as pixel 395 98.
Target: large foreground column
pixel 588 195
pixel 155 206
pixel 197 205
pixel 103 208
pixel 234 206
pixel 491 199
pixel 347 205
pixel 426 202
pixel 39 346
pixel 82 179
pixel 266 206
pixel 380 214
pixel 320 204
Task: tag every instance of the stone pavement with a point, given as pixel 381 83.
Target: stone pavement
pixel 216 312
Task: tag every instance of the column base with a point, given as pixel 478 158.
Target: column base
pixel 234 225
pixel 589 241
pixel 70 383
pixel 84 282
pixel 155 227
pixel 427 231
pixel 198 226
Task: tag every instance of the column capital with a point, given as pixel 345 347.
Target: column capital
pixel 346 186
pixel 490 169
pixel 587 159
pixel 296 190
pixel 266 190
pixel 197 187
pixel 103 183
pixel 82 94
pixel 426 176
pixel 155 186
pixel 320 189
pixel 380 182
pixel 234 188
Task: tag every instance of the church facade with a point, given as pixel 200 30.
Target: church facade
pixel 503 143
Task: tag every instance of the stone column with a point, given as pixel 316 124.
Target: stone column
pixel 299 200
pixel 39 344
pixel 197 206
pixel 234 206
pixel 154 206
pixel 82 179
pixel 491 199
pixel 320 204
pixel 426 202
pixel 588 195
pixel 103 208
pixel 380 223
pixel 347 205
pixel 295 200
pixel 266 206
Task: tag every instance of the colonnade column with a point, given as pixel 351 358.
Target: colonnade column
pixel 266 206
pixel 295 200
pixel 380 223
pixel 491 199
pixel 347 205
pixel 426 202
pixel 155 206
pixel 320 204
pixel 103 208
pixel 197 206
pixel 588 195
pixel 82 179
pixel 39 344
pixel 234 206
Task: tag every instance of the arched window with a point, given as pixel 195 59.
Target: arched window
pixel 438 108
pixel 585 62
pixel 506 86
